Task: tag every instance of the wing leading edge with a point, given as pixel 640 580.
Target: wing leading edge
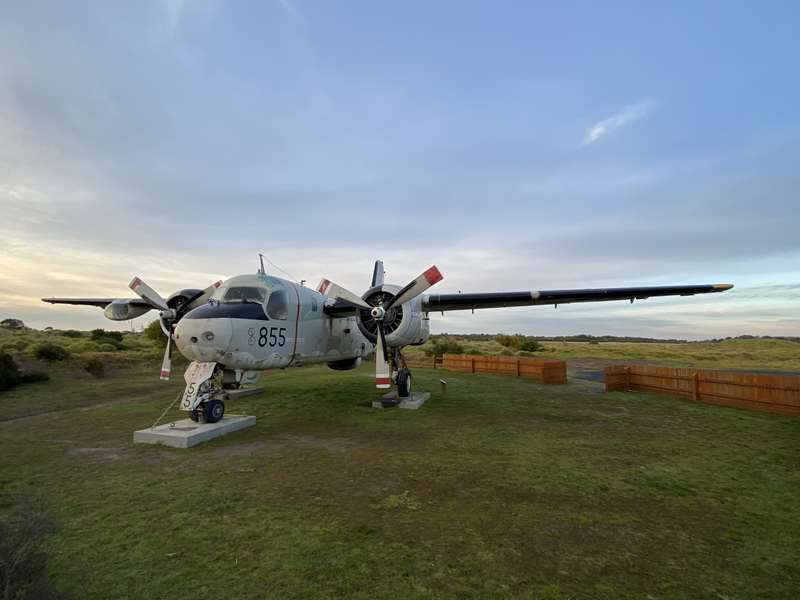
pixel 442 302
pixel 99 302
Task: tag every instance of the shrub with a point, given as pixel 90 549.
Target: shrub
pixel 72 333
pixel 9 372
pixel 153 333
pixel 95 367
pixel 108 347
pixel 518 342
pixel 439 347
pixel 50 352
pixel 101 336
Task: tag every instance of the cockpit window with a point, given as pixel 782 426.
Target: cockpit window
pixel 278 305
pixel 245 294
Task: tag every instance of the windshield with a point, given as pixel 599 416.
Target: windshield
pixel 240 294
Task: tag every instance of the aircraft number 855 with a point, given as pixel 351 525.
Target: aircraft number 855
pixel 268 338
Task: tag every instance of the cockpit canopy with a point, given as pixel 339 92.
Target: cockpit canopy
pixel 244 293
pixel 265 291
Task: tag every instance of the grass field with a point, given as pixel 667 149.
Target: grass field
pixel 501 488
pixel 762 354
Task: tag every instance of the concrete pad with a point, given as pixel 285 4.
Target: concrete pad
pixel 186 433
pixel 416 400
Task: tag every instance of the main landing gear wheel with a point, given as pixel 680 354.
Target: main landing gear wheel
pixel 404 383
pixel 213 411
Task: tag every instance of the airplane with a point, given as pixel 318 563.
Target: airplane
pixel 234 330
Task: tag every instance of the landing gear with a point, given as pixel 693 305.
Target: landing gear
pixel 404 383
pixel 213 411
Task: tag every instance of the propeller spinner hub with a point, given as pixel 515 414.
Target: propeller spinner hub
pixel 378 313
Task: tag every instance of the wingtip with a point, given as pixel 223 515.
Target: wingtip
pixel 721 287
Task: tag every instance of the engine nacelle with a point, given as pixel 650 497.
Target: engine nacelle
pixel 405 325
pixel 122 310
pixel 345 365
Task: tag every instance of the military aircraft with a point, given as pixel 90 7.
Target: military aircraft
pixel 231 331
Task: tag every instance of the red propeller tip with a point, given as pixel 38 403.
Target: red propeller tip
pixel 433 275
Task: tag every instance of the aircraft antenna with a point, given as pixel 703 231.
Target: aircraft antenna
pixel 261 271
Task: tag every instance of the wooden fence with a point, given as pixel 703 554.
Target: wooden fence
pixel 753 391
pixel 551 372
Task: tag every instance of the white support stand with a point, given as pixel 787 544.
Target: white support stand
pixel 186 433
pixel 416 400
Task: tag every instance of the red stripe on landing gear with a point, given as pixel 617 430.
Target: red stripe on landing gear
pixel 165 374
pixel 382 381
pixel 433 275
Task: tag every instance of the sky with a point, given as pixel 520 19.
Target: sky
pixel 516 145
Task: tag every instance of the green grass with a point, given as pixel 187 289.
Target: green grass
pixel 780 355
pixel 501 488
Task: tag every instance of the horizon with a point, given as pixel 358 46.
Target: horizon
pixel 517 147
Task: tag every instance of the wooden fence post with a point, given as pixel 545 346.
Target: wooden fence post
pixel 517 365
pixel 472 364
pixel 695 386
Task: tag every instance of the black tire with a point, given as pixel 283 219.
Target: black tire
pixel 194 415
pixel 404 383
pixel 213 411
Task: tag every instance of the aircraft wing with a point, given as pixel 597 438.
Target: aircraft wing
pixel 99 302
pixel 442 302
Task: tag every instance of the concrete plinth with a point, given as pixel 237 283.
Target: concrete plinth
pixel 186 433
pixel 416 400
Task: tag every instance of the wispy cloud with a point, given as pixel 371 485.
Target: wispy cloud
pixel 629 114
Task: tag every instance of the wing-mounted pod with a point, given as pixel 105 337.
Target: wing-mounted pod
pixel 122 309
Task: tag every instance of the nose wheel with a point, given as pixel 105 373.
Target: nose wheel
pixel 210 412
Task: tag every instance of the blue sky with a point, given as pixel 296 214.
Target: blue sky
pixel 516 145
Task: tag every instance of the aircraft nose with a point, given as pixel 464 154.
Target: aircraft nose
pixel 204 339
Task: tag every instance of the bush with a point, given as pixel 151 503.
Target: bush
pixel 50 352
pixel 153 333
pixel 9 372
pixel 518 342
pixel 440 347
pixel 71 333
pixel 103 337
pixel 95 367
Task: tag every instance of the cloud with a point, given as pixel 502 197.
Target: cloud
pixel 629 114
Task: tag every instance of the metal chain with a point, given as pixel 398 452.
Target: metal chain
pixel 153 426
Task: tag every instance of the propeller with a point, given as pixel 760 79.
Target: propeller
pixel 332 290
pixel 409 292
pixel 168 316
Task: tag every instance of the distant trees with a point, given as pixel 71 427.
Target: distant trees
pixel 12 324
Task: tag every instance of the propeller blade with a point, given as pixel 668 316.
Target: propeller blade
pixel 166 364
pixel 377 274
pixel 148 294
pixel 200 296
pixel 416 287
pixel 332 290
pixel 383 378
